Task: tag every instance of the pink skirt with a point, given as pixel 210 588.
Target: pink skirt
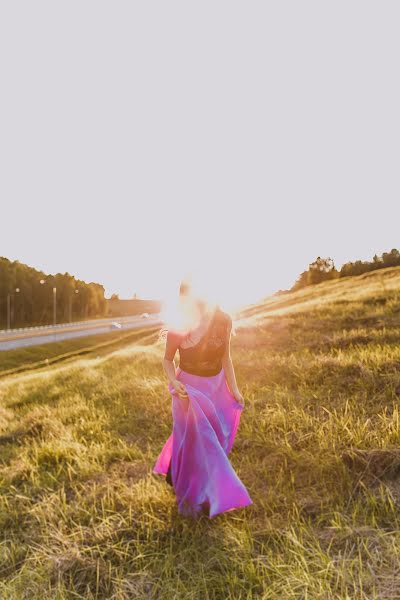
pixel 204 429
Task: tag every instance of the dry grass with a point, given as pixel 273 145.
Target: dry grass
pixel 83 516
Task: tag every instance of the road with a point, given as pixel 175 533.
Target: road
pixel 32 336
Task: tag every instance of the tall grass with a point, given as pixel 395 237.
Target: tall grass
pixel 83 516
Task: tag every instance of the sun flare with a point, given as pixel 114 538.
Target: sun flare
pixel 229 294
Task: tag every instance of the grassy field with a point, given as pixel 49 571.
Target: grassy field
pixel 41 355
pixel 318 447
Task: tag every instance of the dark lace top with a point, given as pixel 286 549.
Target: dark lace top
pixel 205 357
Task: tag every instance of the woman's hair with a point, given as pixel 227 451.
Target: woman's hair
pixel 186 290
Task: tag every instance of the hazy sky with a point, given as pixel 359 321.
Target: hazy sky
pixel 140 139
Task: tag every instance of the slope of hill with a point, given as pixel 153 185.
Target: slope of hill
pixel 381 283
pixel 82 515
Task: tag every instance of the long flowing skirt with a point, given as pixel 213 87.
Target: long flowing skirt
pixel 196 452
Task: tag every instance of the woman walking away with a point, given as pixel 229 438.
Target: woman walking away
pixel 206 410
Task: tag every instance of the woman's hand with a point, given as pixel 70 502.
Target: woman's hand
pixel 238 397
pixel 180 389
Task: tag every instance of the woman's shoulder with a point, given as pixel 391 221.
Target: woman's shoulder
pixel 173 340
pixel 224 317
pixel 174 335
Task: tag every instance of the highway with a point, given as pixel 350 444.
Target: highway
pixel 32 336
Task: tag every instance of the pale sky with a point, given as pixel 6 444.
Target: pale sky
pixel 138 139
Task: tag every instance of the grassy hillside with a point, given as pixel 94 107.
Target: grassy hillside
pixel 83 516
pixel 36 357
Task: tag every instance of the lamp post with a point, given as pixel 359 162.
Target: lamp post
pixel 17 291
pixel 9 308
pixel 54 305
pixel 70 305
pixel 77 292
pixel 42 282
pixel 8 311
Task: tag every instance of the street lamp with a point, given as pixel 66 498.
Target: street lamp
pixel 76 291
pixel 9 308
pixel 54 305
pixel 70 306
pixel 42 281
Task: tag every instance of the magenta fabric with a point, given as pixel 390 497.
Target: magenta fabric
pixel 204 429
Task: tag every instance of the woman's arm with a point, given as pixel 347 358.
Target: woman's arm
pixel 169 368
pixel 229 369
pixel 169 365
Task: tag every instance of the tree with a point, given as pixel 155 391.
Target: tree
pixel 29 295
pixel 358 267
pixel 321 269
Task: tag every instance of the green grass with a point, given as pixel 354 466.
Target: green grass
pixel 83 516
pixel 34 357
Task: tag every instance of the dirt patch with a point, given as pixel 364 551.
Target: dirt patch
pixel 130 471
pixel 373 464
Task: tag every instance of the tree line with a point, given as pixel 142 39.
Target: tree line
pixel 27 297
pixel 323 269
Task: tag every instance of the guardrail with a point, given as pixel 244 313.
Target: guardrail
pixel 78 323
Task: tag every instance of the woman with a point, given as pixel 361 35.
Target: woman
pixel 206 409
